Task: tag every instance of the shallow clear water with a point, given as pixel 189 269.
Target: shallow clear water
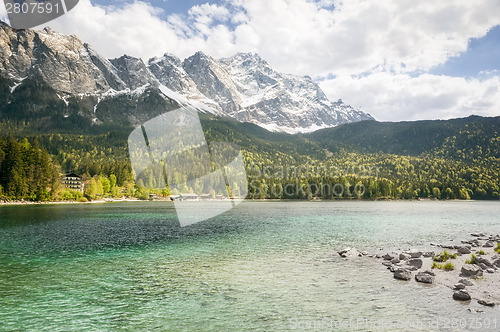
pixel 264 266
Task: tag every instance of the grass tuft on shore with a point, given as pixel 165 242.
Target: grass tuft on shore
pixel 445 256
pixel 447 267
pixel 471 260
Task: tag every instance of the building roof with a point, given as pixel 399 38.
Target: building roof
pixel 72 175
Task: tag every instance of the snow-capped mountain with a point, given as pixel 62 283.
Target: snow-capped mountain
pixel 243 87
pixel 283 102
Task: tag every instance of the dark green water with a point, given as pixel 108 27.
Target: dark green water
pixel 262 266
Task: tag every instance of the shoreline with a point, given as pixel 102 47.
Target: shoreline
pixel 126 200
pixel 473 274
pixel 22 203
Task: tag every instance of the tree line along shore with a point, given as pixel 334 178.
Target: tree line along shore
pixel 31 168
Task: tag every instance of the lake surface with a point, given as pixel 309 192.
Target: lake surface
pixel 264 266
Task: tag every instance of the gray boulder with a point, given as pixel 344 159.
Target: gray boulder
pixel 430 272
pixel 404 256
pixel 395 261
pixel 483 260
pixel 402 274
pixel 488 244
pixel 416 262
pixel 424 277
pixel 464 250
pixel 461 295
pixel 466 282
pixel 411 268
pixel 490 270
pixel 429 254
pixel 414 253
pixel 389 257
pixel 483 267
pixel 471 270
pixel 459 286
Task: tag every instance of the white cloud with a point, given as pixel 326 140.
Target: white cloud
pixel 370 46
pixel 134 29
pixel 397 97
pixel 297 36
pixel 207 13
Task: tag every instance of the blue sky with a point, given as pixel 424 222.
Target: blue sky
pixel 482 55
pixel 170 6
pixel 395 59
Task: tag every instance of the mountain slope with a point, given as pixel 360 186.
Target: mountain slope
pixel 465 138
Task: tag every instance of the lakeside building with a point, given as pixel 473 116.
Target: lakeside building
pixel 73 182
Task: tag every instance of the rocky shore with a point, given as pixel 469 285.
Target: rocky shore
pixel 470 268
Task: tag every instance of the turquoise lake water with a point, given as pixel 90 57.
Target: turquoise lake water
pixel 264 266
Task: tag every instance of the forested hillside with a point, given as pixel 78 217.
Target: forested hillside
pixel 455 159
pixel 464 139
pixel 26 170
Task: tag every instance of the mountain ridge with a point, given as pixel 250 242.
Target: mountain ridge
pixel 243 87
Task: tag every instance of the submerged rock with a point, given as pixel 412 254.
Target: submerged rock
pixel 388 257
pixel 471 270
pixel 464 250
pixel 416 262
pixel 483 267
pixel 429 254
pixel 461 295
pixel 402 274
pixel 424 277
pixel 486 303
pixel 414 253
pixel 466 282
pixel 482 260
pixel 395 261
pixel 350 252
pixel 404 256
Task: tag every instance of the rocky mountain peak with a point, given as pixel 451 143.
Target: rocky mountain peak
pixel 60 60
pixel 213 81
pixel 133 72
